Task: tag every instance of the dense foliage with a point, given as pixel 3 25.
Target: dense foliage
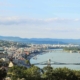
pixel 47 73
pixel 3 71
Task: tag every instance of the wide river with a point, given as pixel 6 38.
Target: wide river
pixel 58 55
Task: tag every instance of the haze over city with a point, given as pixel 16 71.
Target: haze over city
pixel 40 18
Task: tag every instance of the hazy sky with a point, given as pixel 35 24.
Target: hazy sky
pixel 40 18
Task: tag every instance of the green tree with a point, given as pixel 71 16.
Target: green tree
pixel 33 72
pixel 64 74
pixel 47 73
pixel 3 73
pixel 28 62
pixel 16 72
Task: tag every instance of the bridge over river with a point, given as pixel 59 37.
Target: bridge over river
pixel 49 62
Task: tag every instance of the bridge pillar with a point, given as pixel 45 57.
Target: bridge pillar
pixel 49 63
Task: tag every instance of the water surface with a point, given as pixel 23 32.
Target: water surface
pixel 58 55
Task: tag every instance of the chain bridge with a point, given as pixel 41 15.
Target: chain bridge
pixel 49 62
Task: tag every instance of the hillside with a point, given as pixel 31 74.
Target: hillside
pixel 41 40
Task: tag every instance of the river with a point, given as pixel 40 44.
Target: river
pixel 58 55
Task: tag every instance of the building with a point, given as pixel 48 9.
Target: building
pixel 11 64
pixel 3 53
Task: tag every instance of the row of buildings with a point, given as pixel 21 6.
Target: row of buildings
pixel 19 55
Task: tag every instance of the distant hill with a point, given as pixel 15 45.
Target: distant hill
pixel 41 40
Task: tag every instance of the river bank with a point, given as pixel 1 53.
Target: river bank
pixel 34 55
pixel 58 56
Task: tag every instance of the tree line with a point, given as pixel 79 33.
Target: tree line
pixel 72 49
pixel 47 73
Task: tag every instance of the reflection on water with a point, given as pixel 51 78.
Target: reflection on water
pixel 58 55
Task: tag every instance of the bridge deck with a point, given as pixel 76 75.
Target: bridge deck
pixel 55 63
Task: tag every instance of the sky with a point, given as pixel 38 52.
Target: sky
pixel 40 18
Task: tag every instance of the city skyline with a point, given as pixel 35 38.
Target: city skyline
pixel 40 19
